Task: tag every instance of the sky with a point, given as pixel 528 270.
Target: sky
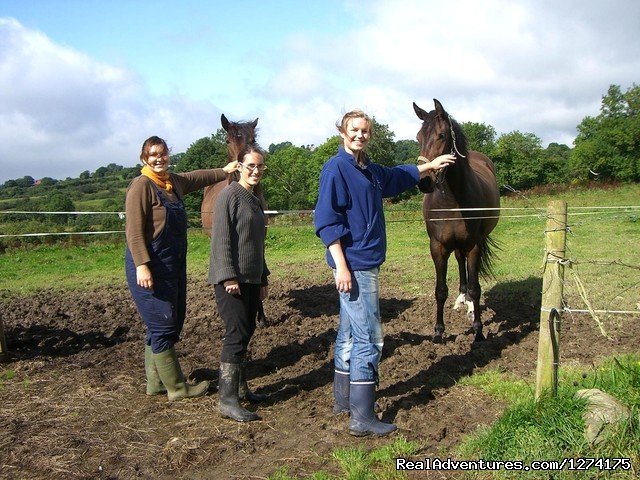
pixel 84 82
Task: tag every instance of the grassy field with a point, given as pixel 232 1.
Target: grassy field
pixel 599 241
pixel 604 245
pixel 550 429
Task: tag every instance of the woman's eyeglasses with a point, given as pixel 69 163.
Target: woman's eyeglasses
pixel 251 167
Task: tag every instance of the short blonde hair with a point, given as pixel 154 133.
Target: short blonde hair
pixel 342 126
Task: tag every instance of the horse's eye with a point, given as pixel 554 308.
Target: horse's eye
pixel 442 136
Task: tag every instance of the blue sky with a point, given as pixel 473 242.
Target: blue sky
pixel 83 83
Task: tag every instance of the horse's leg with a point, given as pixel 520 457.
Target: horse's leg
pixel 461 301
pixel 440 256
pixel 473 289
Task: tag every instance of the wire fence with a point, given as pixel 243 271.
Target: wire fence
pixel 537 212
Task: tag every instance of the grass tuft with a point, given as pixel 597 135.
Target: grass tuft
pixel 553 428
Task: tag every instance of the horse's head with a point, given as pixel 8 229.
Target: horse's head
pixel 439 134
pixel 434 135
pixel 239 134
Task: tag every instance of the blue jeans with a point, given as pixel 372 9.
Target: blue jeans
pixel 359 340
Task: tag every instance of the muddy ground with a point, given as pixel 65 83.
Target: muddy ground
pixel 72 401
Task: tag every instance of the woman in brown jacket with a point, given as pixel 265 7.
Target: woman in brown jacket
pixel 156 261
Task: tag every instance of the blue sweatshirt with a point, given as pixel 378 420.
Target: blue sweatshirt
pixel 349 207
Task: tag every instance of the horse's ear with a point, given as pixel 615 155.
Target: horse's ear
pixel 422 115
pixel 225 122
pixel 439 108
pixel 254 123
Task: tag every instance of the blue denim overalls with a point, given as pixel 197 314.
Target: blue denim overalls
pixel 163 307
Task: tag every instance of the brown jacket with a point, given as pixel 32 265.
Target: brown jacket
pixel 145 215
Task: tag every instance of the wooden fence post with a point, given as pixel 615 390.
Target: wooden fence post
pixel 3 344
pixel 552 289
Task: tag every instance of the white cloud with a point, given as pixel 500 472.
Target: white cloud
pixel 533 66
pixel 537 66
pixel 62 112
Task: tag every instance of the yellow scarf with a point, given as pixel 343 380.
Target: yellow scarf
pixel 160 179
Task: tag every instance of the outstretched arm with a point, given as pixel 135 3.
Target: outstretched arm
pixel 425 166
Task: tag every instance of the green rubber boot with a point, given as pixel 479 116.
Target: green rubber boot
pixel 173 379
pixel 154 384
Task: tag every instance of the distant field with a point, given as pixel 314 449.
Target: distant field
pixel 602 236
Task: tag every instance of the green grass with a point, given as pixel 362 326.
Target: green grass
pixel 293 251
pixel 552 429
pixel 356 463
pixel 549 429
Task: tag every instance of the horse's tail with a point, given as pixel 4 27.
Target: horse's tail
pixel 488 246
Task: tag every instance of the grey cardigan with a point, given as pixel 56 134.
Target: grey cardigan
pixel 237 241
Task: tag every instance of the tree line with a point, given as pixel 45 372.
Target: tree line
pixel 606 148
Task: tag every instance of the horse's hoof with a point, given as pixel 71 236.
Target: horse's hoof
pixel 437 338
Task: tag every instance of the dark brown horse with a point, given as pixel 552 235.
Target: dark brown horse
pixel 453 212
pixel 239 134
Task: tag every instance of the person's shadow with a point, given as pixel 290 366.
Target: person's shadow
pixel 26 343
pixel 516 306
pixel 312 302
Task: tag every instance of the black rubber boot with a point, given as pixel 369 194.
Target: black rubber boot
pixel 244 393
pixel 363 420
pixel 229 404
pixel 340 392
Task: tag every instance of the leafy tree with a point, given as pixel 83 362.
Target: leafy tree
pixel 381 147
pixel 480 137
pixel 273 148
pixel 130 173
pixel 26 181
pixel 114 168
pixel 518 160
pixel 84 175
pixel 608 145
pixel 406 151
pixel 555 160
pixel 100 172
pixel 59 202
pixel 207 152
pixel 176 158
pixel 48 181
pixel 287 181
pixel 318 157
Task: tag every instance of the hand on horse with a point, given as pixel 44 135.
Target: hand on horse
pixel 230 167
pixel 232 287
pixel 425 166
